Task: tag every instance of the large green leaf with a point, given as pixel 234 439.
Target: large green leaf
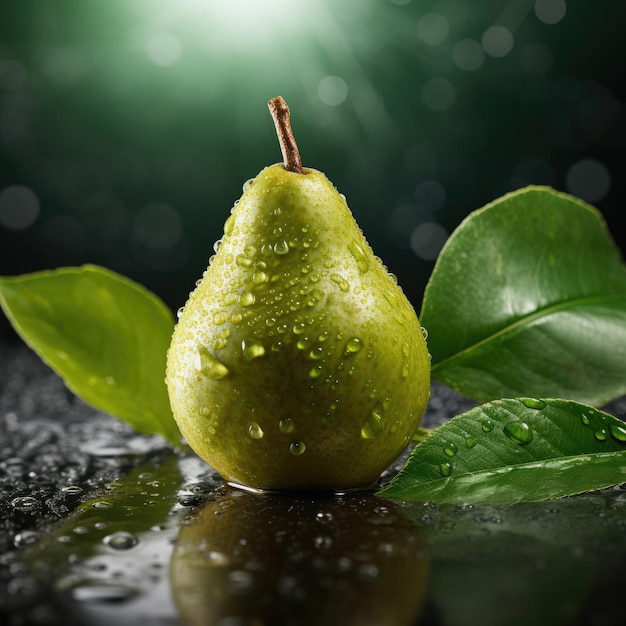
pixel 528 297
pixel 515 450
pixel 104 334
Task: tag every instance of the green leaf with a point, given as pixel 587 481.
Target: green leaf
pixel 104 334
pixel 528 297
pixel 515 450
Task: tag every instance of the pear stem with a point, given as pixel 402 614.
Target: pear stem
pixel 281 116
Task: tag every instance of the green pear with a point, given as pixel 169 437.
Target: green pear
pixel 297 362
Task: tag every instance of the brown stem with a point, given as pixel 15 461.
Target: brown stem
pixel 280 114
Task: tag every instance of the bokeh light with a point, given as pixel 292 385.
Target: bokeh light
pixel 127 128
pixel 19 207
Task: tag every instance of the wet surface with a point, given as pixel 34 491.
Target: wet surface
pixel 101 526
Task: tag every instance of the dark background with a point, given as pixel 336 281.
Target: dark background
pixel 127 127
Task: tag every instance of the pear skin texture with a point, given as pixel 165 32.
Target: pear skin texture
pixel 297 362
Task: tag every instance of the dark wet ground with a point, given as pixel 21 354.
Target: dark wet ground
pixel 99 525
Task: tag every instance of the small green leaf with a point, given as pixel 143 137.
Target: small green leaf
pixel 104 334
pixel 528 297
pixel 515 450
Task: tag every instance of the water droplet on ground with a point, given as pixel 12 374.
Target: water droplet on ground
pixel 99 592
pixel 121 540
pixel 25 503
pixel 25 538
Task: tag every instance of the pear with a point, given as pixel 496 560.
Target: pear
pixel 297 363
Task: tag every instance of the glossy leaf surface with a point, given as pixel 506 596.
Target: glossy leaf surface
pixel 514 450
pixel 104 334
pixel 528 297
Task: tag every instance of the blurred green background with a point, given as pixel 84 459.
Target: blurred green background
pixel 128 127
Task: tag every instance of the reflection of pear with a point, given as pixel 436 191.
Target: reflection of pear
pixel 297 363
pixel 301 561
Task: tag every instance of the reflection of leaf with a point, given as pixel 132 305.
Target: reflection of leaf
pixel 527 563
pixel 112 549
pixel 515 449
pixel 528 297
pixel 104 334
pixel 137 502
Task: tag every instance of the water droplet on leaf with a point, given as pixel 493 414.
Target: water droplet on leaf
pixel 486 425
pixel 618 432
pixel 450 449
pixel 445 469
pixel 533 403
pixel 518 432
pixel 600 435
